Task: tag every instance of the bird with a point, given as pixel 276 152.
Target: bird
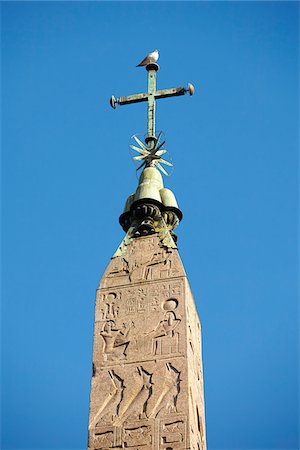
pixel 151 58
pixel 137 408
pixel 167 400
pixel 110 408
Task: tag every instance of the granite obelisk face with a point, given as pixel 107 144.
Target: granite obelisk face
pixel 147 384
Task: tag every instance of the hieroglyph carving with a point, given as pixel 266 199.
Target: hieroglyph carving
pixel 115 339
pixel 167 400
pixel 109 308
pixel 103 439
pixel 165 339
pixel 144 260
pixel 162 340
pixel 110 408
pixel 173 432
pixel 136 300
pixel 148 299
pixel 136 407
pixel 137 436
pixel 134 323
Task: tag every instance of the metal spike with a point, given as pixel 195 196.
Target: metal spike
pixel 161 168
pixel 138 149
pixel 140 142
pixel 153 151
pixel 158 138
pixel 161 152
pixel 139 158
pixel 160 145
pixel 163 161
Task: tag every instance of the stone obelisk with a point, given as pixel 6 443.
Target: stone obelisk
pixel 147 383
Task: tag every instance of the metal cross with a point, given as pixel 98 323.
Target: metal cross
pixel 151 96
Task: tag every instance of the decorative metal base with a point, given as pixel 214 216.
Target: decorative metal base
pixel 146 216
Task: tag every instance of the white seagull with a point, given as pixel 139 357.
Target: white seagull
pixel 151 58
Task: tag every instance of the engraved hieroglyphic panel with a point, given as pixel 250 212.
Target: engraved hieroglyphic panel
pixel 145 260
pixel 139 322
pixel 169 390
pixel 106 396
pixel 139 434
pixel 173 433
pixel 136 395
pixel 103 438
pixel 109 305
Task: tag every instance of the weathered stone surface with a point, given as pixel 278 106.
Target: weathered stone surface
pixel 147 384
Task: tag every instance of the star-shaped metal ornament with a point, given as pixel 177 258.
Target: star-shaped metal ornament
pixel 151 156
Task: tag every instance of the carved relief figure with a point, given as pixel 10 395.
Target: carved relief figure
pixel 167 401
pixel 165 339
pixel 104 439
pixel 110 408
pixel 137 408
pixel 109 307
pixel 137 436
pixel 118 267
pixel 170 304
pixel 116 340
pixel 173 432
pixel 160 261
pixel 144 261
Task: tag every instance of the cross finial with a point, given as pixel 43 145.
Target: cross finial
pixel 151 96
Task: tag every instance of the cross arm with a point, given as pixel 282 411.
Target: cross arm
pixel 135 98
pixel 164 93
pixel 174 92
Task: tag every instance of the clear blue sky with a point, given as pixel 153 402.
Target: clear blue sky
pixel 67 172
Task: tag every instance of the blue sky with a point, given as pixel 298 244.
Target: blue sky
pixel 67 172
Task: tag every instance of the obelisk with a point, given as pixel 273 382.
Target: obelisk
pixel 147 382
